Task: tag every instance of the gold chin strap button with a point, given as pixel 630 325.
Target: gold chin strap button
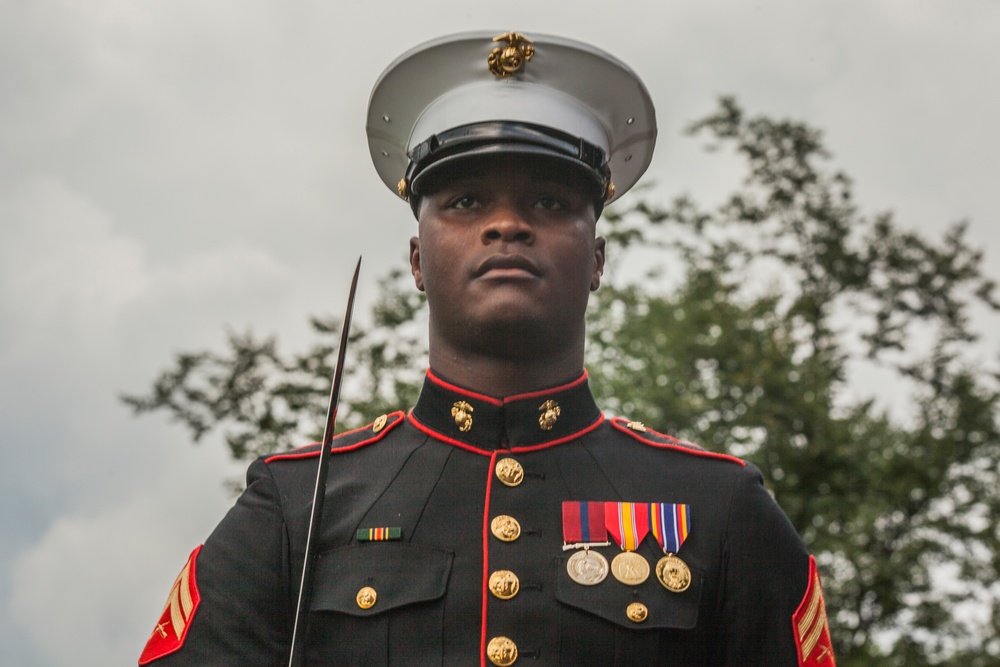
pixel 504 584
pixel 509 472
pixel 609 191
pixel 366 597
pixel 501 651
pixel 505 528
pixel 637 612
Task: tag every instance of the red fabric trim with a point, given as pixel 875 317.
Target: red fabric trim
pixel 620 424
pixel 810 626
pixel 182 603
pixel 486 557
pixel 455 388
pixel 506 399
pixel 397 417
pixel 451 441
pixel 489 452
pixel 558 441
pixel 545 392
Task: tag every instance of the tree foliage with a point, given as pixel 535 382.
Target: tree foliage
pixel 748 334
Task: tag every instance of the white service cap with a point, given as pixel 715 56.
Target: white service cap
pixel 483 93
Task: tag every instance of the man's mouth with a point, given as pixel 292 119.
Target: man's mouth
pixel 507 266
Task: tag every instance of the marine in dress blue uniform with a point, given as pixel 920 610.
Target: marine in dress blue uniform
pixel 504 519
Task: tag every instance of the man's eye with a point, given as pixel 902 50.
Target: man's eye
pixel 468 201
pixel 549 204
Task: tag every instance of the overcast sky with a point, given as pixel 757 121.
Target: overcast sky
pixel 171 168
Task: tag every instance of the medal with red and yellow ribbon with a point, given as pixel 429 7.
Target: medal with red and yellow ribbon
pixel 628 524
pixel 671 524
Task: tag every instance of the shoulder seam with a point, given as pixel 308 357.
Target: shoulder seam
pixel 620 424
pixel 394 419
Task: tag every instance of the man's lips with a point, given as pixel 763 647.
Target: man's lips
pixel 507 265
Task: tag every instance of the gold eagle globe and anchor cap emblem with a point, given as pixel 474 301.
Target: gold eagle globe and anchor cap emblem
pixel 507 60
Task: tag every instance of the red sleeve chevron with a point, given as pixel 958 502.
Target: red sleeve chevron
pixel 810 625
pixel 182 603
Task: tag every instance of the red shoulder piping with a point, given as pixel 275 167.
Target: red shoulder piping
pixel 620 423
pixel 396 418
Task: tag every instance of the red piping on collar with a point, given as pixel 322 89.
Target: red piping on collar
pixel 507 399
pixel 489 452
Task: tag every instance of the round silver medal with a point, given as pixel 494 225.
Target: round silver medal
pixel 587 567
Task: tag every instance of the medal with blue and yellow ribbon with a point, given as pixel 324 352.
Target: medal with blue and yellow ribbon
pixel 628 524
pixel 671 524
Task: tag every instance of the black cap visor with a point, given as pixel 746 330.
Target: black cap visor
pixel 441 154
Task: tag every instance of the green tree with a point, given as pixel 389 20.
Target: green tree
pixel 743 336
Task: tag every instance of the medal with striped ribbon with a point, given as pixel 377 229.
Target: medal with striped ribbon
pixel 671 524
pixel 628 524
pixel 583 527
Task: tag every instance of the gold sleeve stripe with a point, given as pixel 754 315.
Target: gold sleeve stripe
pixel 186 602
pixel 809 643
pixel 814 603
pixel 180 602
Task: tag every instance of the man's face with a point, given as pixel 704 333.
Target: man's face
pixel 507 255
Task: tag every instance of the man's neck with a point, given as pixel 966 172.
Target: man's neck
pixel 499 377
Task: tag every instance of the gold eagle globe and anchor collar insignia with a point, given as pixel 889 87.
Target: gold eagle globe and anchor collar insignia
pixel 510 59
pixel 486 423
pixel 462 413
pixel 550 413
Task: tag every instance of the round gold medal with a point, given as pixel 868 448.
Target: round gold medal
pixel 587 567
pixel 630 568
pixel 673 573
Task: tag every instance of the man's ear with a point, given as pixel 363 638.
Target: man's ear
pixel 600 246
pixel 418 276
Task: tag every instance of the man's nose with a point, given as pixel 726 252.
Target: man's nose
pixel 507 223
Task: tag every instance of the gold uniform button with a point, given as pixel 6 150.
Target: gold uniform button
pixel 637 612
pixel 379 423
pixel 509 472
pixel 505 528
pixel 366 597
pixel 501 651
pixel 504 584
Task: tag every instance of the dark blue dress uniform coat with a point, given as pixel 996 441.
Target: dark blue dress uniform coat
pixel 432 603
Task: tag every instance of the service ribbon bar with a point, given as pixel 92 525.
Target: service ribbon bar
pixel 628 523
pixel 671 523
pixel 379 534
pixel 583 524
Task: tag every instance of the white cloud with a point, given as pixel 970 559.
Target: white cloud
pixel 94 584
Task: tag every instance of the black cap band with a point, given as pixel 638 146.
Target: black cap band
pixel 509 137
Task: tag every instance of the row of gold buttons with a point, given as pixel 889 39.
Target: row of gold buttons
pixel 504 584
